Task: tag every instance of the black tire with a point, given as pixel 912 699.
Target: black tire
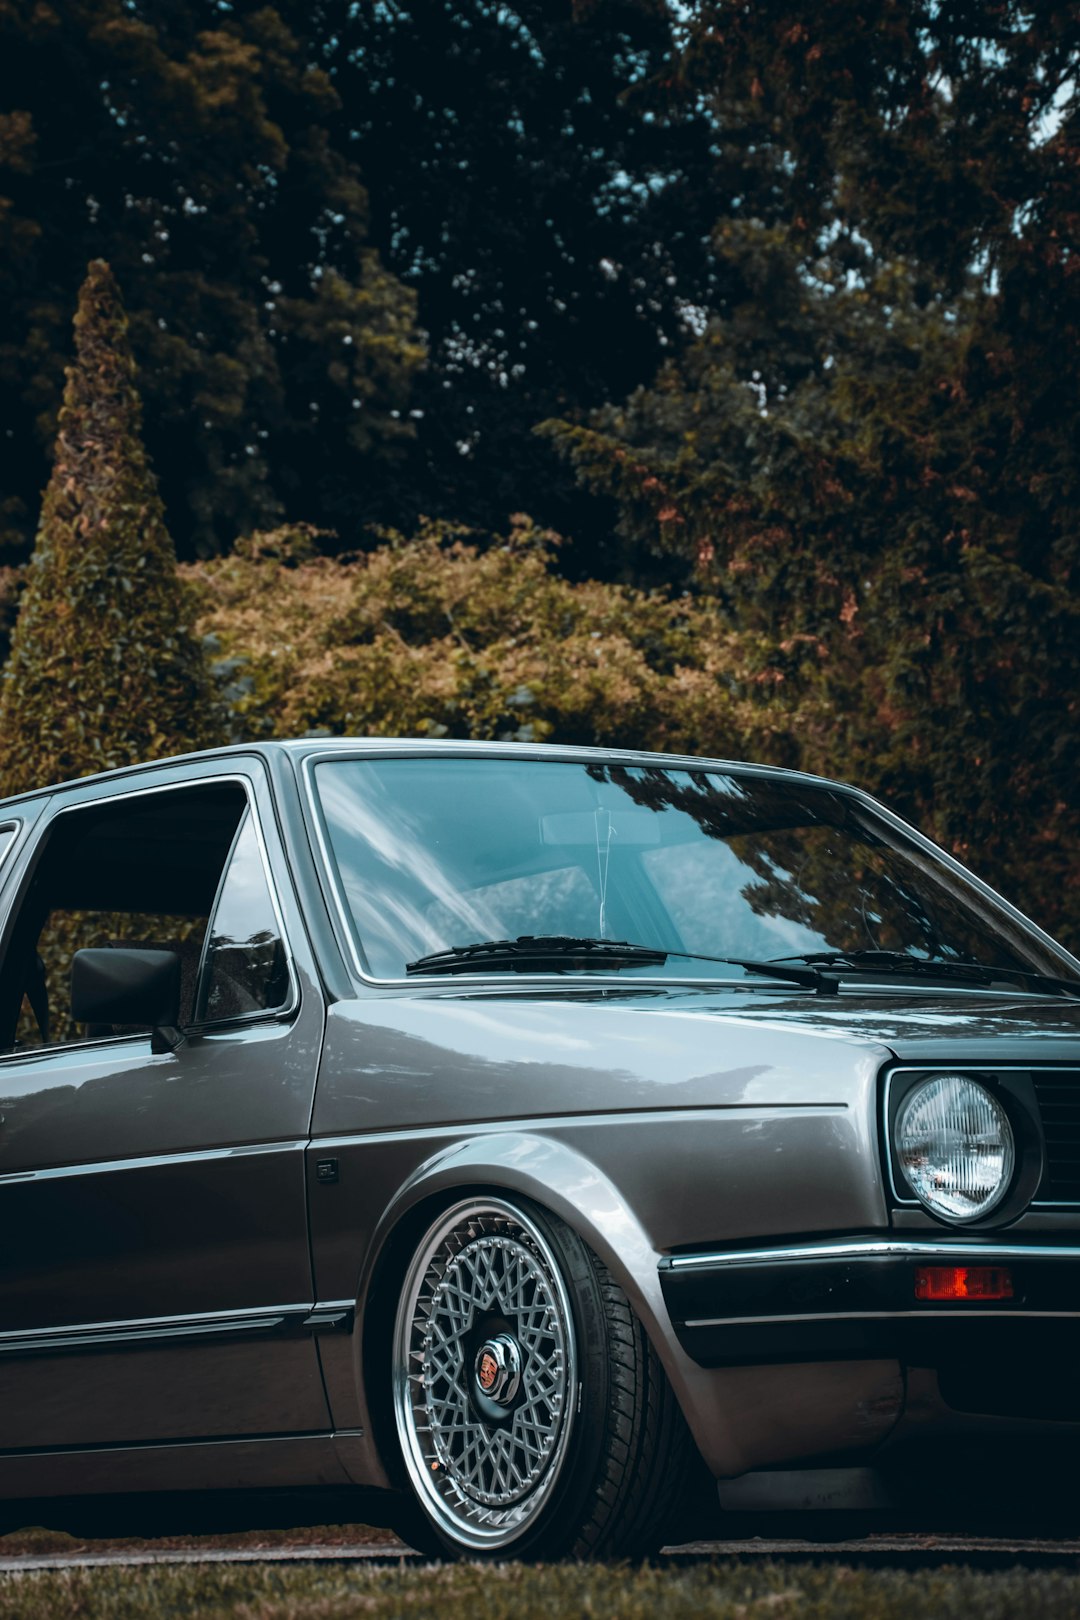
pixel 613 1455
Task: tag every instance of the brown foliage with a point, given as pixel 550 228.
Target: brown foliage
pixel 439 638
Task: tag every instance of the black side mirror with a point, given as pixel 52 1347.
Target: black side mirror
pixel 129 987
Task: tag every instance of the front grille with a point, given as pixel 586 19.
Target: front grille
pixel 1058 1094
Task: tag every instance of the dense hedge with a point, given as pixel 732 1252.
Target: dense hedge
pixel 436 637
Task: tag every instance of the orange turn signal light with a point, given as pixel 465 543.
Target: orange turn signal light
pixel 963 1282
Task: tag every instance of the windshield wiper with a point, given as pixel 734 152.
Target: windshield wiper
pixel 921 967
pixel 540 953
pixel 532 953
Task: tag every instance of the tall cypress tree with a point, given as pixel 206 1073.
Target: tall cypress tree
pixel 104 670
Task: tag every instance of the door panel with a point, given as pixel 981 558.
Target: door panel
pixel 116 1244
pixel 158 1200
pixel 86 1399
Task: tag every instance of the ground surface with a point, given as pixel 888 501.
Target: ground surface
pixel 39 1548
pixel 758 1589
pixel 340 1572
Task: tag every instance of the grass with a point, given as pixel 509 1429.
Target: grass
pixel 38 1540
pixel 731 1591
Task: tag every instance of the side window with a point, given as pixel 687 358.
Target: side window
pixel 244 966
pixel 140 871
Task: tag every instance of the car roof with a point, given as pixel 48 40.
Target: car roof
pixel 326 747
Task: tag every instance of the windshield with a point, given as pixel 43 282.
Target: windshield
pixel 432 853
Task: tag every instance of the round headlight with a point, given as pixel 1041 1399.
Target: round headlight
pixel 955 1146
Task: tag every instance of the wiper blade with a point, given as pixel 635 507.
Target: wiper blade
pixel 538 953
pixel 533 953
pixel 922 967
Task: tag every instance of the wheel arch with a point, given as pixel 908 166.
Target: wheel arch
pixel 549 1174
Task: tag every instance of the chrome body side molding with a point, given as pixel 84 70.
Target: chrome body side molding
pixel 144 1333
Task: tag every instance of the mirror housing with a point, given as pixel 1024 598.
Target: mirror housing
pixel 125 986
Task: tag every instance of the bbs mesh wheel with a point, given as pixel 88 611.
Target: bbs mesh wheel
pixel 532 1415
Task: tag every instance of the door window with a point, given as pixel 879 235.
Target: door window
pixel 148 870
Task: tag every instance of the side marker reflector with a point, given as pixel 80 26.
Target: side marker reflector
pixel 963 1282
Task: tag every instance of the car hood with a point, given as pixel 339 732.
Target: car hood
pixel 923 1024
pixel 909 1021
pixel 915 1025
pixel 515 1052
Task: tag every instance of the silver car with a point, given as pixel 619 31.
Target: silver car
pixel 539 1135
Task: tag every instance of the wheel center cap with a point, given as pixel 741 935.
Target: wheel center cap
pixel 497 1369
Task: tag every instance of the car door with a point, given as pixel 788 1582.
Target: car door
pixel 155 1280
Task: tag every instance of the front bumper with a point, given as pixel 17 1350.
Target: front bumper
pixel 854 1298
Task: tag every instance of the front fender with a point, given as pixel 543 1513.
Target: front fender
pixel 567 1184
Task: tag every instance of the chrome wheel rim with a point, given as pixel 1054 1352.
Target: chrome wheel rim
pixel 485 1373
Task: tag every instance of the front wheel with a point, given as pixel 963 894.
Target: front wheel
pixel 533 1417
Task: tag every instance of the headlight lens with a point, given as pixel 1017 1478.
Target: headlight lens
pixel 955 1146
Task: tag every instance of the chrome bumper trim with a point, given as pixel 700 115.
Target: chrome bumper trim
pixel 875 1316
pixel 860 1248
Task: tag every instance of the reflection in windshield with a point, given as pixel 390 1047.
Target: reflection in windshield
pixel 437 852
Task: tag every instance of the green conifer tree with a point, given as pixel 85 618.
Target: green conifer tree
pixel 104 669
